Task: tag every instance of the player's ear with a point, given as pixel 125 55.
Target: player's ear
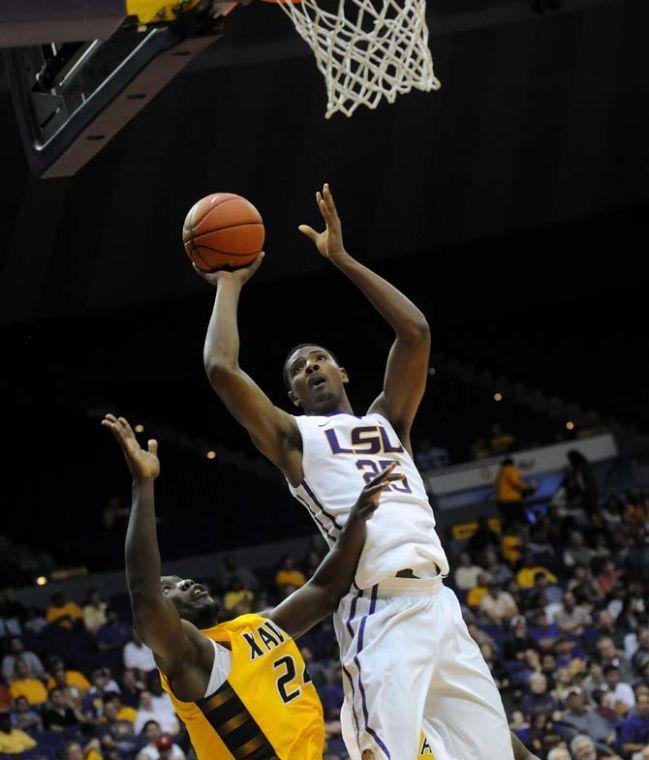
pixel 294 399
pixel 344 374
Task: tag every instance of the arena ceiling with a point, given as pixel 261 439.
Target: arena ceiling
pixel 542 118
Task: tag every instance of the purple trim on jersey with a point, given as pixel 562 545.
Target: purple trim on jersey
pixel 348 623
pixel 323 528
pixel 361 632
pixel 318 504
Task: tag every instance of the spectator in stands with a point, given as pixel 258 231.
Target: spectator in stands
pixel 477 593
pixel 73 682
pixel 24 718
pixel 482 538
pixel 167 750
pixel 137 655
pixel 583 585
pixel 11 612
pixel 634 731
pixel 115 732
pixel 131 688
pixel 580 719
pixel 62 613
pixel 289 575
pixel 579 482
pixel 466 574
pixel 577 553
pixel 150 711
pixel 479 636
pixel 537 700
pixel 511 489
pixel 151 751
pixel 610 655
pixel 114 633
pixel 621 693
pixel 640 657
pixel 17 651
pixel 500 442
pixel 496 569
pixel 161 700
pixel 13 741
pixel 528 571
pixel 94 611
pixel 102 687
pixel 498 606
pixel 34 621
pixel 559 753
pixel 23 685
pixel 518 640
pixel 607 576
pixel 572 618
pixel 238 600
pixel 61 713
pixel 74 751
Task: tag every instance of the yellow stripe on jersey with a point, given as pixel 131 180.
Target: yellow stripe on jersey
pixel 268 707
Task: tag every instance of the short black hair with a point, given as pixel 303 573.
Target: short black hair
pixel 287 379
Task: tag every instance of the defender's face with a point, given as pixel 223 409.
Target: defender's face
pixel 316 380
pixel 191 599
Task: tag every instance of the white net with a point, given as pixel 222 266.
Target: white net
pixel 367 49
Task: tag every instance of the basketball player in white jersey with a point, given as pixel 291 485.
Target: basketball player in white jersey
pixel 408 660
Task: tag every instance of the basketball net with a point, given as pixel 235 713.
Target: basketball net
pixel 367 49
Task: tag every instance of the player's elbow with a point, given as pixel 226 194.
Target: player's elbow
pixel 416 331
pixel 219 372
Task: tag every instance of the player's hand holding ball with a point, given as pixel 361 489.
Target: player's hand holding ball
pixel 224 235
pixel 330 241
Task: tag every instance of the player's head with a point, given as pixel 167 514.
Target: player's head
pixel 314 379
pixel 192 600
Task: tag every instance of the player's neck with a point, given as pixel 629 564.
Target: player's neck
pixel 337 406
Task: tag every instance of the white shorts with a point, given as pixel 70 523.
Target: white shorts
pixel 409 663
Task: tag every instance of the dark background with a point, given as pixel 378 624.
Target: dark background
pixel 511 206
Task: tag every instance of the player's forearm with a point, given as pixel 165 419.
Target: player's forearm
pixel 337 570
pixel 142 553
pixel 401 314
pixel 221 350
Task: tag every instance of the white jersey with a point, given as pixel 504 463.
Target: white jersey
pixel 340 454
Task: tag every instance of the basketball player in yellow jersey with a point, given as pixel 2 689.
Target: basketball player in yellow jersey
pixel 241 687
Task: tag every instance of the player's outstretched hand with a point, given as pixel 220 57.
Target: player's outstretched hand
pixel 242 275
pixel 368 501
pixel 330 241
pixel 143 464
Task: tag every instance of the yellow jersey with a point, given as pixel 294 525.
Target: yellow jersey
pixel 267 708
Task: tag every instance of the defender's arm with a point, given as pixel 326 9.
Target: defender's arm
pixel 176 644
pixel 333 578
pixel 273 431
pixel 405 377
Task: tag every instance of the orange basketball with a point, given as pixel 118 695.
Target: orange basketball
pixel 223 231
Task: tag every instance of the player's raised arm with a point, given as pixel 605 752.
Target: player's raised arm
pixel 405 376
pixel 180 649
pixel 273 431
pixel 333 578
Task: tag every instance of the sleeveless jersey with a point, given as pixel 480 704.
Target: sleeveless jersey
pixel 340 453
pixel 268 707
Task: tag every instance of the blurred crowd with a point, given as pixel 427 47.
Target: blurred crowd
pixel 556 599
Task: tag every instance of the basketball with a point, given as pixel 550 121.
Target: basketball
pixel 223 231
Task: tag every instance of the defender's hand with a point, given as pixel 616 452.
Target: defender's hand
pixel 143 465
pixel 239 275
pixel 368 501
pixel 330 241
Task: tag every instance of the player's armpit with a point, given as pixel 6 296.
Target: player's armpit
pixel 180 649
pixel 273 431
